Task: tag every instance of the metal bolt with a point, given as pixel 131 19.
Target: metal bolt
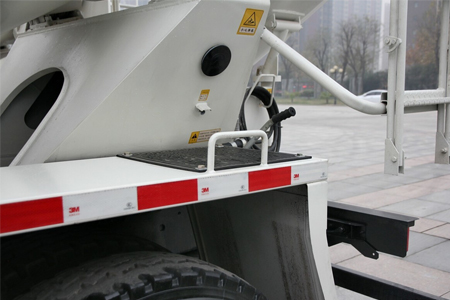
pixel 127 154
pixel 200 167
pixel 445 150
pixel 298 154
pixel 394 159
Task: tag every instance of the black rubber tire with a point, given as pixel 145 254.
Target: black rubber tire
pixel 29 259
pixel 144 275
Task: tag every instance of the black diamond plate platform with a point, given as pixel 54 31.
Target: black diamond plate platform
pixel 194 159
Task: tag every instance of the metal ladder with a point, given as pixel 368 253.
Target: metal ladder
pixel 401 101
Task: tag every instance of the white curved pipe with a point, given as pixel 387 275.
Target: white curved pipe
pixel 323 79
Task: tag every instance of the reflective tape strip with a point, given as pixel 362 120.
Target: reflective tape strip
pixel 31 214
pixel 99 204
pixel 268 179
pixel 307 173
pixel 222 186
pixel 103 204
pixel 165 194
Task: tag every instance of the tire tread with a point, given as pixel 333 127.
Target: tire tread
pixel 144 275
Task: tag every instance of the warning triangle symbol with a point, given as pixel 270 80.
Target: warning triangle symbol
pixel 194 136
pixel 251 21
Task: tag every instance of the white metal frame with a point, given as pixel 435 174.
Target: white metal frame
pixel 401 101
pixel 109 187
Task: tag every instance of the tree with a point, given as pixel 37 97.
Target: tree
pixel 344 40
pixel 425 49
pixel 422 59
pixel 319 48
pixel 287 71
pixel 318 52
pixel 357 47
pixel 375 81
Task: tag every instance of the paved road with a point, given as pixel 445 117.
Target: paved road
pixel 354 144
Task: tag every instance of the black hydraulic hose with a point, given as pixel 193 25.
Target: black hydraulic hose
pixel 264 96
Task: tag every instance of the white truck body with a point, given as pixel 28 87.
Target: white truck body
pixel 133 81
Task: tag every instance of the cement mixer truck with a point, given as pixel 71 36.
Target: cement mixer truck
pixel 137 163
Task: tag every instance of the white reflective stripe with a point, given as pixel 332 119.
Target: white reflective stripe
pixel 99 204
pixel 222 186
pixel 308 173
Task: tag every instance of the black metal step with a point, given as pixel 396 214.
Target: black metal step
pixel 195 159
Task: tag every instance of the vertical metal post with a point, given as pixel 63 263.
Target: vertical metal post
pixel 443 116
pixel 401 71
pixel 442 66
pixel 394 156
pixel 443 47
pixel 390 152
pixel 115 5
pixel 445 65
pixel 392 71
pixel 271 63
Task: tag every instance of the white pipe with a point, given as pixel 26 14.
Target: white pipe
pixel 323 79
pixel 441 122
pixel 401 70
pixel 443 70
pixel 233 135
pixel 392 72
pixel 443 47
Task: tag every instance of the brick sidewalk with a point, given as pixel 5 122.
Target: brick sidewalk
pixel 354 144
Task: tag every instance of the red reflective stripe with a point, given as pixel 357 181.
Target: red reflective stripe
pixel 158 195
pixel 267 179
pixel 31 214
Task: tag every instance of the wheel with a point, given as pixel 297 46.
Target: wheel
pixel 144 275
pixel 29 259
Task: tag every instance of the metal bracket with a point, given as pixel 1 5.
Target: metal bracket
pixel 442 149
pixel 339 231
pixel 393 161
pixel 368 230
pixel 260 78
pixel 392 42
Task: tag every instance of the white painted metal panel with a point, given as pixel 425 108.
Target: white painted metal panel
pixel 55 194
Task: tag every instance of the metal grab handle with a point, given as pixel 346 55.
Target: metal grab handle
pixel 232 135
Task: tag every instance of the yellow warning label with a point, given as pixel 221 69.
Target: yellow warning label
pixel 269 90
pixel 203 95
pixel 194 137
pixel 202 136
pixel 250 21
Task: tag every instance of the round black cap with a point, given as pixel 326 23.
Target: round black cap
pixel 216 60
